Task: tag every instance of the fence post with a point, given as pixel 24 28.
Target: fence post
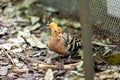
pixel 86 38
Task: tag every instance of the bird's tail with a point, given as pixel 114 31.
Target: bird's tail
pixel 72 44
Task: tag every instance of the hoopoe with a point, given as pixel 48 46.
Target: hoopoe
pixel 62 44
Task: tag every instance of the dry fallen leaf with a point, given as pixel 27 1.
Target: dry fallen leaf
pixel 3 30
pixel 33 27
pixel 49 75
pixel 31 39
pixel 113 58
pixel 34 19
pixel 4 70
pixel 34 41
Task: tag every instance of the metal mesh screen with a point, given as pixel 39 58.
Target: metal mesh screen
pixel 105 18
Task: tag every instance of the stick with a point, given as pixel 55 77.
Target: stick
pixel 46 66
pixel 7 53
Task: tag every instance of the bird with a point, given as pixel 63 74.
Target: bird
pixel 62 44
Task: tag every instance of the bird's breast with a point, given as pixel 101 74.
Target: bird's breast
pixel 57 45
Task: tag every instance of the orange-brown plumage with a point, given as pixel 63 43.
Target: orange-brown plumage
pixel 56 42
pixel 61 44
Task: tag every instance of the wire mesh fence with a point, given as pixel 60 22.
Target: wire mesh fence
pixel 105 17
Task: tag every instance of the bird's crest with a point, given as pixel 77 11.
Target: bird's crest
pixel 52 25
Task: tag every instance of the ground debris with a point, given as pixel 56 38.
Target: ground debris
pixel 24 53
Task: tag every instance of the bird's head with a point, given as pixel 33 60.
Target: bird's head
pixel 55 30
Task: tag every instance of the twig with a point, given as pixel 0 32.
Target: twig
pixel 7 53
pixel 46 66
pixel 102 44
pixel 42 65
pixel 30 59
pixel 19 70
pixel 20 56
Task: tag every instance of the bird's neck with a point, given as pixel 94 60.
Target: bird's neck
pixel 55 37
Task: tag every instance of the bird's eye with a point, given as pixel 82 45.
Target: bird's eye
pixel 55 31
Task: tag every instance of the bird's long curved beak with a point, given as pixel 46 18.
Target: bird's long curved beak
pixel 61 35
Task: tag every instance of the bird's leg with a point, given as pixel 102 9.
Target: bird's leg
pixel 59 56
pixel 69 55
